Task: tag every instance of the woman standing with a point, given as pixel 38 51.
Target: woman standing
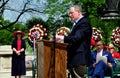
pixel 18 56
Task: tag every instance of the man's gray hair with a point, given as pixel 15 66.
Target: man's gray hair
pixel 77 8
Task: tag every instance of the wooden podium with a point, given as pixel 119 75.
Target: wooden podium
pixel 51 62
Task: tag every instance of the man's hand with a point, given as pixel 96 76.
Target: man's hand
pixel 94 64
pixel 59 39
pixel 109 64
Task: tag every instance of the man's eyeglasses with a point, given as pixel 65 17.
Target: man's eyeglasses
pixel 111 48
pixel 99 44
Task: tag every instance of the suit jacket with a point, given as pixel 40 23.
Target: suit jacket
pixel 79 43
pixel 105 53
pixel 93 59
pixel 14 45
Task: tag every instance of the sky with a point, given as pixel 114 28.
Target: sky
pixel 18 4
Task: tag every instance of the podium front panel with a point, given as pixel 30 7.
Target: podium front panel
pixel 51 60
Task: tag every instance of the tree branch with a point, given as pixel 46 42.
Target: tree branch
pixel 20 14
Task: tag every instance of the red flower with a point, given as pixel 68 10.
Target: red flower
pixel 37 32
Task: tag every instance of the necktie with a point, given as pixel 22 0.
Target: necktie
pixel 73 26
pixel 98 54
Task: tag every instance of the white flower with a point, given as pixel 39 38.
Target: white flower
pixel 63 31
pixel 96 33
pixel 116 36
pixel 37 32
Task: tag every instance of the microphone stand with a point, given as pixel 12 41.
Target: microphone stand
pixel 58 24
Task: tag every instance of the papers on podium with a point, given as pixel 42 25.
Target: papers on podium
pixel 103 58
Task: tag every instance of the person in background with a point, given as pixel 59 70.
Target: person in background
pixel 106 47
pixel 18 55
pixel 92 43
pixel 98 69
pixel 111 49
pixel 119 50
pixel 79 42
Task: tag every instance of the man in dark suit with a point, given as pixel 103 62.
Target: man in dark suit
pixel 97 69
pixel 78 40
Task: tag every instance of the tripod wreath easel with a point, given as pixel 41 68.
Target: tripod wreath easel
pixel 37 32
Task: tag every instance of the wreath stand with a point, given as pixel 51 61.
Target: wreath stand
pixel 36 33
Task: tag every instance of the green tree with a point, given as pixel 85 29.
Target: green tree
pixel 7 34
pixel 58 10
pixel 28 7
pixel 92 9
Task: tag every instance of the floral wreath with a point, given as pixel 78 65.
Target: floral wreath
pixel 116 36
pixel 63 31
pixel 96 34
pixel 37 32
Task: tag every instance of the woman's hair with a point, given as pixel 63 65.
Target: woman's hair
pixel 111 45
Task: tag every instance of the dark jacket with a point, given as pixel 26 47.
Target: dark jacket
pixel 14 45
pixel 79 43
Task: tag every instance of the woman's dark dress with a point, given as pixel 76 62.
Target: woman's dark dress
pixel 18 62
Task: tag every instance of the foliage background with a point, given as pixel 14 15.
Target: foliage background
pixel 57 16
